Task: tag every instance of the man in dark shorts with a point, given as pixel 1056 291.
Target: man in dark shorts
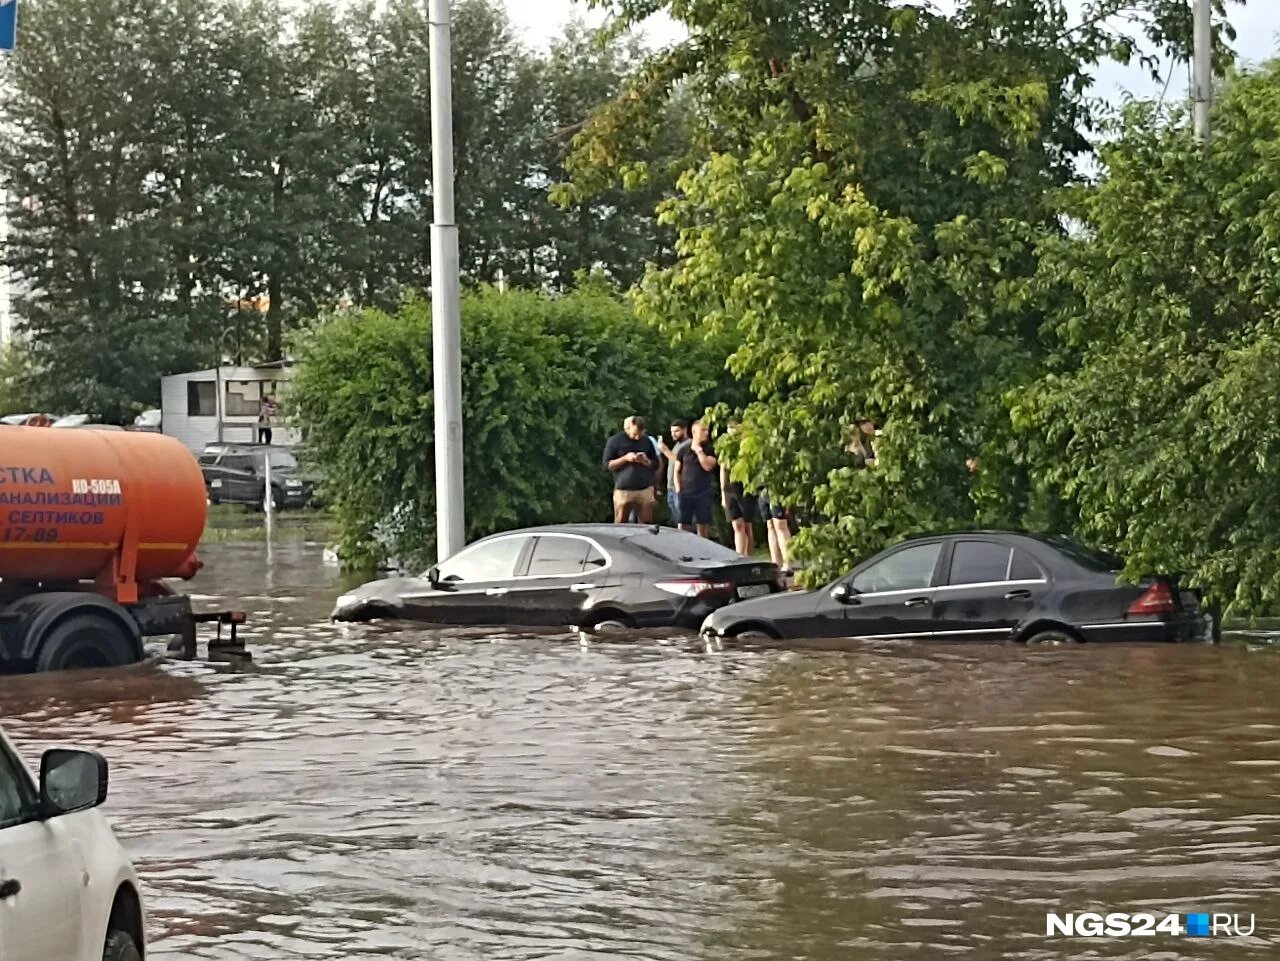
pixel 778 528
pixel 694 470
pixel 739 507
pixel 629 457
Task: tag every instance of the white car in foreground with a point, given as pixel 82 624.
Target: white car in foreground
pixel 67 891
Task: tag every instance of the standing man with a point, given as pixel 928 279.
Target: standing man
pixel 694 470
pixel 739 508
pixel 778 529
pixel 629 457
pixel 680 438
pixel 268 412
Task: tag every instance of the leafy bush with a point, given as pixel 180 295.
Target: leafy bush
pixel 545 380
pixel 1155 421
pixel 15 395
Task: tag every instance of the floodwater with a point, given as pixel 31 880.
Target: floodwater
pixel 367 792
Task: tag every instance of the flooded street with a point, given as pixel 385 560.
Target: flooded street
pixel 363 792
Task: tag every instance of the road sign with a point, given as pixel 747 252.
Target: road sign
pixel 8 23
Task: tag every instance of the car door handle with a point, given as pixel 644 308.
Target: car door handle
pixel 1019 595
pixel 9 888
pixel 583 586
pixel 497 591
pixel 918 602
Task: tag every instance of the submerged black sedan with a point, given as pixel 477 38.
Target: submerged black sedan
pixel 591 576
pixel 979 585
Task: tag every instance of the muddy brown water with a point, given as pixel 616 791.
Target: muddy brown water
pixel 367 792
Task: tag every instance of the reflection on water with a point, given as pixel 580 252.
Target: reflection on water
pixel 363 792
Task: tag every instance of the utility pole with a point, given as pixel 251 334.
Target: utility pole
pixel 446 314
pixel 1202 57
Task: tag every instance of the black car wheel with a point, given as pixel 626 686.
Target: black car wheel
pixel 85 641
pixel 610 624
pixel 120 947
pixel 1055 637
pixel 755 634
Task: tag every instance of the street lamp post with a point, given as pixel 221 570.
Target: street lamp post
pixel 1202 73
pixel 446 323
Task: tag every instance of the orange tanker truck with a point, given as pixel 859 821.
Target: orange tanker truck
pixel 91 525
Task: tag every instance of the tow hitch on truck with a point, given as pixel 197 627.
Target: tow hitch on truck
pixel 92 523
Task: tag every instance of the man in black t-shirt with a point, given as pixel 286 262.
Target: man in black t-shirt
pixel 629 456
pixel 694 471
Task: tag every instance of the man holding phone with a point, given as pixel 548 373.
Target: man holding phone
pixel 694 473
pixel 630 457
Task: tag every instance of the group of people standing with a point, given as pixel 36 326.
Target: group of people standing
pixel 693 471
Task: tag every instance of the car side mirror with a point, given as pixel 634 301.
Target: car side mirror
pixel 433 576
pixel 844 594
pixel 71 781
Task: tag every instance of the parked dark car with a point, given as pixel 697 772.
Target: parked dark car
pixel 236 474
pixel 978 586
pixel 592 576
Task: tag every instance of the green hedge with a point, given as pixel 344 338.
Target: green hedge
pixel 545 381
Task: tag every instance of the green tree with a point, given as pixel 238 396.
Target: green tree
pixel 613 229
pixel 863 225
pixel 1154 421
pixel 174 165
pixel 545 380
pixel 85 233
pixel 13 381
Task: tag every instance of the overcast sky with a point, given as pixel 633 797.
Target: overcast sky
pixel 1257 26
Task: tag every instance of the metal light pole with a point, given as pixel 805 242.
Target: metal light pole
pixel 446 323
pixel 1202 56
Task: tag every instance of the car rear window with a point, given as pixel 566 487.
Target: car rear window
pixel 1024 568
pixel 1086 557
pixel 681 546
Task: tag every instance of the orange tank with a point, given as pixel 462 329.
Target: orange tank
pixel 113 507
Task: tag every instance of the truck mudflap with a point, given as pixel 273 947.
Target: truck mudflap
pixel 229 648
pixel 172 614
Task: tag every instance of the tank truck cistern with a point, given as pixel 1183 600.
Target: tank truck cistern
pixel 91 525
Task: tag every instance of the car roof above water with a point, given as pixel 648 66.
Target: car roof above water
pixel 1064 547
pixel 614 532
pixel 665 542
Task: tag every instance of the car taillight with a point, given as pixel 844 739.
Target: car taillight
pixel 1156 599
pixel 694 586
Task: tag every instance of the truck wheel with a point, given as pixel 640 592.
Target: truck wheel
pixel 120 947
pixel 85 641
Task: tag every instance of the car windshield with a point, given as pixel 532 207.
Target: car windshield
pixel 279 458
pixel 681 546
pixel 1086 557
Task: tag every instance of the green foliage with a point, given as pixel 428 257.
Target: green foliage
pixel 546 379
pixel 1155 420
pixel 15 395
pixel 171 166
pixel 862 229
